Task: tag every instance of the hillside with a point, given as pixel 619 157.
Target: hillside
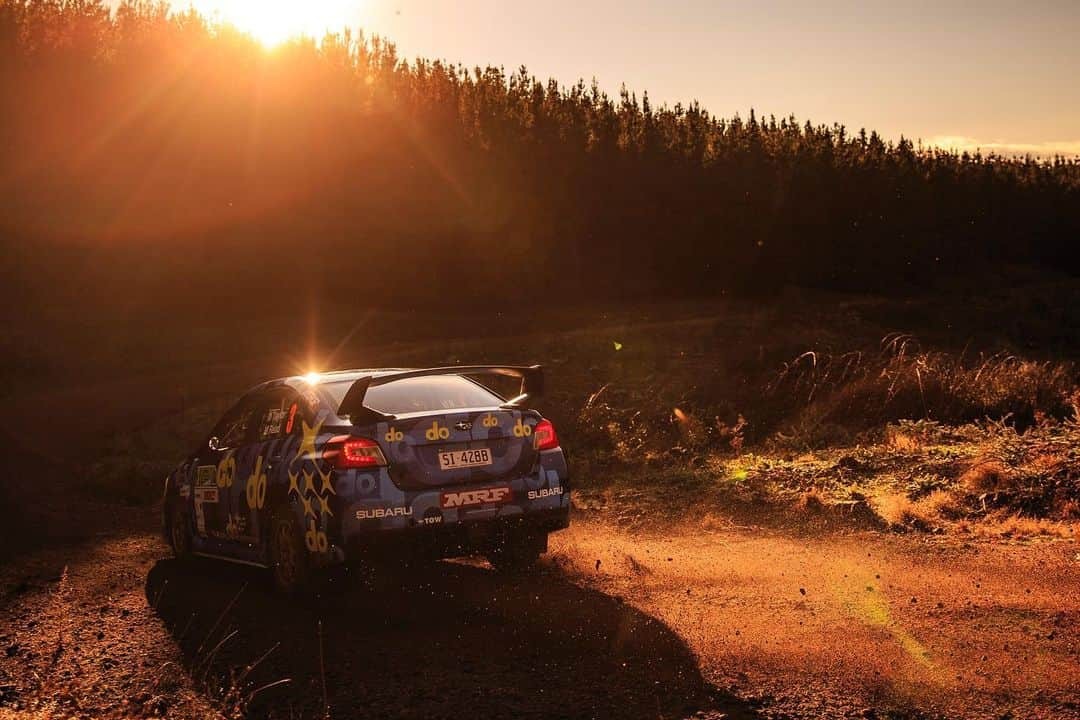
pixel 158 165
pixel 818 392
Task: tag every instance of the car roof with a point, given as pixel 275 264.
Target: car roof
pixel 342 375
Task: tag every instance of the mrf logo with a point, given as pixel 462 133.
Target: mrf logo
pixel 467 498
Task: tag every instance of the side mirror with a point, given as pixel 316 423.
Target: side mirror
pixel 215 443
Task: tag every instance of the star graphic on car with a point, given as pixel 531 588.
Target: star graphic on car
pixel 327 486
pixel 307 506
pixel 306 451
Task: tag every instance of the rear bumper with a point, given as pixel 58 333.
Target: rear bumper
pixel 456 539
pixel 374 514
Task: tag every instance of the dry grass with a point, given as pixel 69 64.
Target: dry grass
pixel 902 441
pixel 929 512
pixel 920 475
pixel 939 504
pixel 940 511
pixel 1069 509
pixel 704 404
pixel 849 392
pixel 1018 526
pixel 896 509
pixel 987 476
pixel 812 501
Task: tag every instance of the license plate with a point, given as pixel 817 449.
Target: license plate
pixel 457 459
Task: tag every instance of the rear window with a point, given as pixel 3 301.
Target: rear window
pixel 421 394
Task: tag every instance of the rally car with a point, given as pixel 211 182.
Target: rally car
pixel 312 471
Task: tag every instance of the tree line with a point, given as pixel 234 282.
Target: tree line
pixel 154 157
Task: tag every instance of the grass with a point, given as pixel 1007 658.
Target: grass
pixel 1018 526
pixel 132 466
pixel 806 410
pixel 851 391
pixel 955 478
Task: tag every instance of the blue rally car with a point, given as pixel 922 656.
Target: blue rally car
pixel 310 471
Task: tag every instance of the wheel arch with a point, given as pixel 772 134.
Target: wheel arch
pixel 277 501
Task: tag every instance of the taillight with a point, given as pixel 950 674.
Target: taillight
pixel 544 437
pixel 354 452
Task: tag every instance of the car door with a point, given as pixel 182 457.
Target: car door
pixel 217 469
pixel 274 419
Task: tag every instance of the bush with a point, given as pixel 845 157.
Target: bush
pixel 855 391
pixel 122 478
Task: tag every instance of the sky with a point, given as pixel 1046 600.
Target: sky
pixel 1001 76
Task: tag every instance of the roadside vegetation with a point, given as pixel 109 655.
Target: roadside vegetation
pixel 745 321
pixel 183 204
pixel 760 413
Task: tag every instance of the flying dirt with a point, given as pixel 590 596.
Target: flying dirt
pixel 737 622
pixel 891 579
pixel 807 439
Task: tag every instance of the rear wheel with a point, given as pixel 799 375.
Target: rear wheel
pixel 180 533
pixel 288 556
pixel 518 552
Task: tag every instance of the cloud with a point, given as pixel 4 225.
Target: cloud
pixel 961 143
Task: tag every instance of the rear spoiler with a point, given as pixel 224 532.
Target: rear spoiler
pixel 532 385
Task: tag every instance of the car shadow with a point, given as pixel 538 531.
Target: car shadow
pixel 461 641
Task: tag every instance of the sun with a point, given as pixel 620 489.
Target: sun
pixel 272 22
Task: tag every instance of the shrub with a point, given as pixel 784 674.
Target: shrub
pixel 856 390
pixel 122 478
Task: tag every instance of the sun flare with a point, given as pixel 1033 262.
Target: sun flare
pixel 272 22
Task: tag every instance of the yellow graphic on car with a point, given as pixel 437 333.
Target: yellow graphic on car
pixel 226 471
pixel 437 432
pixel 521 429
pixel 326 487
pixel 315 504
pixel 490 421
pixel 306 451
pixel 394 435
pixel 256 486
pixel 315 539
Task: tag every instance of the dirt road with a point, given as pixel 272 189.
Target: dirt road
pixel 849 624
pixel 734 621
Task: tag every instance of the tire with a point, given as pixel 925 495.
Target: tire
pixel 289 562
pixel 180 533
pixel 517 553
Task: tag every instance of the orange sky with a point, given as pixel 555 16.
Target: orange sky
pixel 991 74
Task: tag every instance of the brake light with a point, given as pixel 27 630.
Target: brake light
pixel 354 452
pixel 544 437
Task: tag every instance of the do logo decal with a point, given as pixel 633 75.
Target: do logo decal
pixel 521 429
pixel 394 435
pixel 490 421
pixel 315 540
pixel 256 486
pixel 435 432
pixel 226 472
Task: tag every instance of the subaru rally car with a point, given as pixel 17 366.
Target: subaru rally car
pixel 311 471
